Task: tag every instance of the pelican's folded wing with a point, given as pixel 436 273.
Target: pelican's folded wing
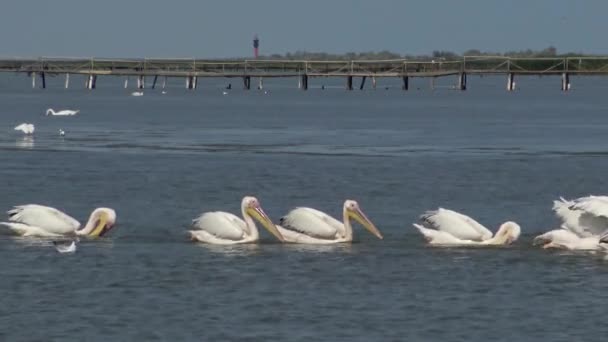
pixel 456 224
pixel 222 225
pixel 47 218
pixel 313 223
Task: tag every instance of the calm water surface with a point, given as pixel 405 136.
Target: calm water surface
pixel 160 160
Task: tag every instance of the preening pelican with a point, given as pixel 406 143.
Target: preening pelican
pixel 64 112
pixel 26 128
pixel 42 221
pixel 222 228
pixel 447 227
pixel 584 223
pixel 307 225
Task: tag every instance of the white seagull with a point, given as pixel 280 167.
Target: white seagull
pixel 64 112
pixel 64 248
pixel 42 221
pixel 449 228
pixel 26 128
pixel 584 224
pixel 311 226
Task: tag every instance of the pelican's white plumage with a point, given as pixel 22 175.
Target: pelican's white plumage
pixel 311 226
pixel 63 112
pixel 448 227
pixel 137 93
pixel 222 228
pixel 42 221
pixel 25 128
pixel 583 222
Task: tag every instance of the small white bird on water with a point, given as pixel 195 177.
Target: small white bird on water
pixel 25 128
pixel 64 112
pixel 64 248
pixel 61 132
pixel 224 93
pixel 137 93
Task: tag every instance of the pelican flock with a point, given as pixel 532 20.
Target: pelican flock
pixel 311 226
pixel 222 228
pixel 42 221
pixel 64 112
pixel 584 223
pixel 447 227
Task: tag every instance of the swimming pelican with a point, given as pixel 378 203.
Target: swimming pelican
pixel 447 227
pixel 42 221
pixel 61 132
pixel 26 128
pixel 137 93
pixel 584 223
pixel 222 228
pixel 65 112
pixel 311 226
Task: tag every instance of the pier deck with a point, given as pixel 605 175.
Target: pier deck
pixel 403 68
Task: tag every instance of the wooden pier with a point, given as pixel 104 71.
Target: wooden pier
pixel 194 69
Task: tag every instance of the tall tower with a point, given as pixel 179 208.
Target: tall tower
pixel 256 46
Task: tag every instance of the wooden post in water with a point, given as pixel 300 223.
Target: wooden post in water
pixel 462 81
pixel 67 81
pixel 362 82
pixel 164 82
pixel 154 81
pixel 303 82
pixel 33 80
pixel 91 82
pixel 565 81
pixel 43 80
pixel 126 82
pixel 247 82
pixel 261 83
pixel 511 82
pixel 374 82
pixel 349 83
pixel 406 83
pixel 141 81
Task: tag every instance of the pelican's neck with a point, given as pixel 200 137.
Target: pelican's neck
pixel 88 228
pixel 348 229
pixel 252 230
pixel 500 238
pixel 50 111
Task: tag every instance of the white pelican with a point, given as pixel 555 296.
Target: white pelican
pixel 584 222
pixel 64 112
pixel 222 228
pixel 137 93
pixel 26 128
pixel 447 227
pixel 42 221
pixel 61 132
pixel 307 225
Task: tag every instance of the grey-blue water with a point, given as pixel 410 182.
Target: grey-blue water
pixel 160 160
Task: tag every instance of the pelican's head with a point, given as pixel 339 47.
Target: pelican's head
pixel 352 210
pixel 251 206
pixel 101 221
pixel 508 232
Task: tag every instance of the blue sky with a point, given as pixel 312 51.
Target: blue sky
pixel 214 28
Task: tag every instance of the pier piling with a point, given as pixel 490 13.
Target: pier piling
pixel 374 82
pixel 462 81
pixel 406 83
pixel 154 81
pixel 510 82
pixel 67 81
pixel 565 81
pixel 141 81
pixel 362 82
pixel 33 80
pixel 43 80
pixel 304 82
pixel 349 83
pixel 247 82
